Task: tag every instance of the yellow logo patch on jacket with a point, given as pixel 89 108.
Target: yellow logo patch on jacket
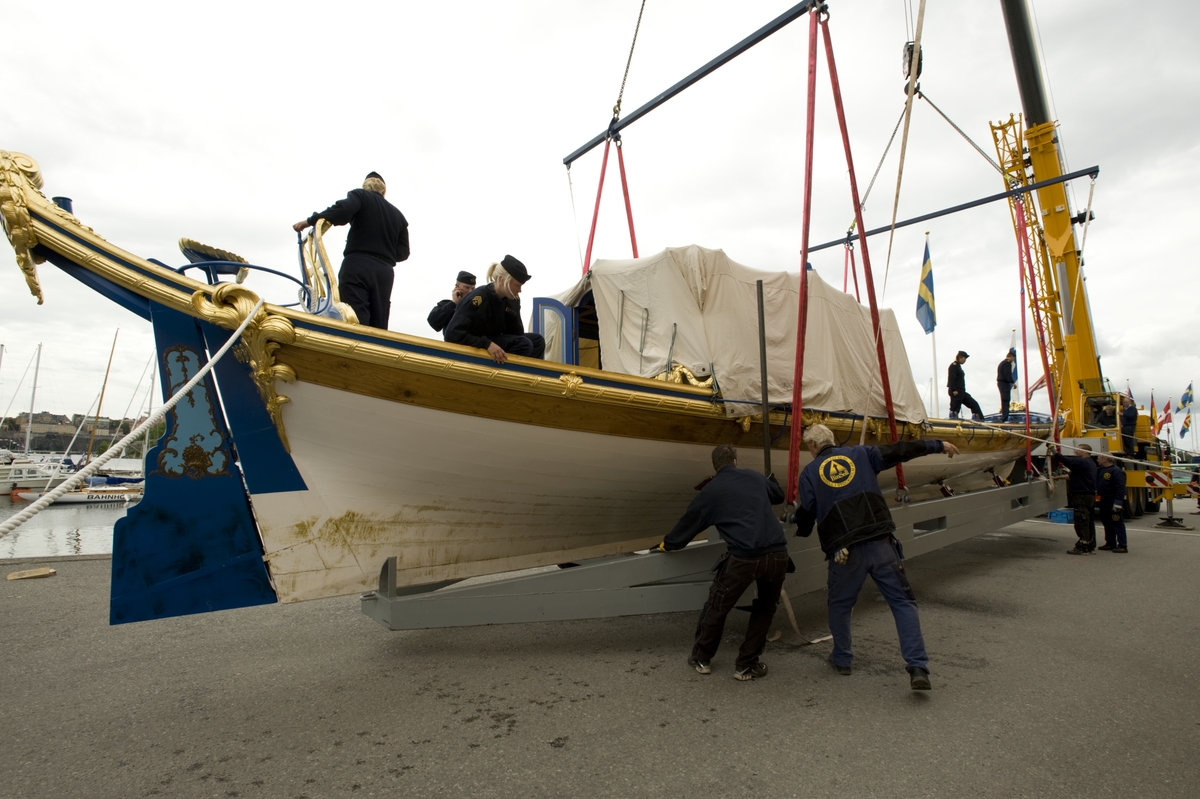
pixel 837 471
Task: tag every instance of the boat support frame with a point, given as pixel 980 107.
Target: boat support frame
pixel 633 584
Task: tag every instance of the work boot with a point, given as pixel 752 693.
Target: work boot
pixel 842 670
pixel 976 417
pixel 701 666
pixel 1106 547
pixel 751 672
pixel 918 679
pixel 1078 550
pixel 953 415
pixel 1120 550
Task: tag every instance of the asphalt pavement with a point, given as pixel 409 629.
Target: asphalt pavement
pixel 1053 675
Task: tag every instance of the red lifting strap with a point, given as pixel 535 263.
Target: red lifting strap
pixel 798 376
pixel 587 259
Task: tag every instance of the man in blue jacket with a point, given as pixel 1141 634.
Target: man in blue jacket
pixel 738 503
pixel 1110 487
pixel 840 494
pixel 1081 496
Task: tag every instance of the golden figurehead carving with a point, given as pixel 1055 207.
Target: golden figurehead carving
pixel 230 304
pixel 19 172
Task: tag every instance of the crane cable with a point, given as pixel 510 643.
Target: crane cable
pixel 914 68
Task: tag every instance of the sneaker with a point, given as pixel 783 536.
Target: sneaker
pixel 842 670
pixel 701 666
pixel 1121 550
pixel 1080 551
pixel 1107 547
pixel 919 680
pixel 751 672
pixel 975 417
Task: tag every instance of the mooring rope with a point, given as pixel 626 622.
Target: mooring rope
pixel 46 500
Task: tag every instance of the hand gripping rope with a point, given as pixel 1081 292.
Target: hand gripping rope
pixel 17 520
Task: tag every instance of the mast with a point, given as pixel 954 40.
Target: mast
pixel 103 386
pixel 33 397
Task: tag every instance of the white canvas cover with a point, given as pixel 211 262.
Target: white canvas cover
pixel 708 304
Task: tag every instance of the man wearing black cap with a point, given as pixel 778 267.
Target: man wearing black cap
pixel 1005 382
pixel 377 241
pixel 956 383
pixel 441 314
pixel 490 316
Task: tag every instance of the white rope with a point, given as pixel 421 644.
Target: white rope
pixel 17 520
pixel 575 218
pixel 1151 464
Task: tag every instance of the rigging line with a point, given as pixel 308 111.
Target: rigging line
pixel 961 132
pixel 17 390
pixel 136 390
pixel 882 158
pixel 628 61
pixel 574 216
pixel 908 104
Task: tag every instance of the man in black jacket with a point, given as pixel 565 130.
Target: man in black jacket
pixel 839 493
pixel 377 241
pixel 956 384
pixel 1110 487
pixel 443 312
pixel 490 316
pixel 1129 417
pixel 1081 496
pixel 1005 382
pixel 738 503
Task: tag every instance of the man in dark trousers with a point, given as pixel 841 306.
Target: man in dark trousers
pixel 840 494
pixel 490 316
pixel 377 241
pixel 1081 496
pixel 1005 382
pixel 956 384
pixel 1110 487
pixel 443 312
pixel 738 503
pixel 1129 416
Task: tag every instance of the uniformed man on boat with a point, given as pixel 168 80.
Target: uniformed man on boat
pixel 1005 382
pixel 443 312
pixel 377 241
pixel 490 316
pixel 956 384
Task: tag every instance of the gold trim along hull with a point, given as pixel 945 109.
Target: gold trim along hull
pixel 429 452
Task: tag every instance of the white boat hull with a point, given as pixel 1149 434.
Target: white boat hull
pixel 453 495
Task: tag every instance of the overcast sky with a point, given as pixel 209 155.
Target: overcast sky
pixel 229 121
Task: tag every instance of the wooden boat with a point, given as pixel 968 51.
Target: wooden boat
pixel 357 444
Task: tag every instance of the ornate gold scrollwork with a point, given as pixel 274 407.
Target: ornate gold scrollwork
pixel 681 373
pixel 263 337
pixel 18 172
pixel 571 383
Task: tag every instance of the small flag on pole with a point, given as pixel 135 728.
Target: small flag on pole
pixel 926 308
pixel 1164 418
pixel 1153 414
pixel 1187 423
pixel 1185 400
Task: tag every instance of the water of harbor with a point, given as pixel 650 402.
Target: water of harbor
pixel 59 530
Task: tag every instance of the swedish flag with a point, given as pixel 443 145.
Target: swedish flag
pixel 926 308
pixel 1185 400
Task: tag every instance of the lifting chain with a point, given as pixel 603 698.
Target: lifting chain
pixel 628 61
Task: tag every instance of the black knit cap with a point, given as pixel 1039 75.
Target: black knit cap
pixel 516 269
pixel 963 354
pixel 374 175
pixel 466 277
